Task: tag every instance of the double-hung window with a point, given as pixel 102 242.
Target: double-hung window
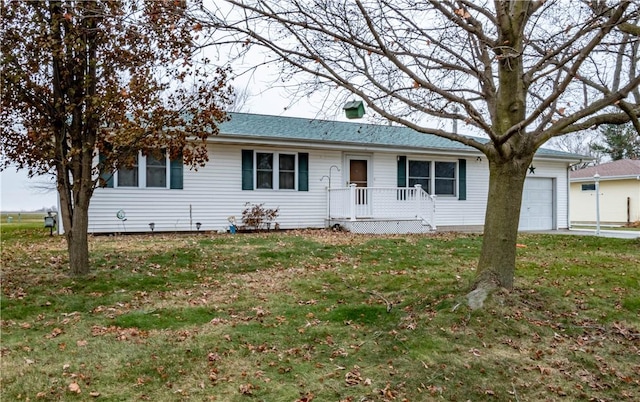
pixel 264 170
pixel 275 171
pixel 287 171
pixel 128 177
pixel 445 178
pixel 419 174
pixel 157 170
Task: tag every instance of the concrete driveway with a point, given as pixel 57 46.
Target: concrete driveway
pixel 620 234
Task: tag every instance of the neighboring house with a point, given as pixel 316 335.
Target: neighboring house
pixel 619 184
pixel 320 173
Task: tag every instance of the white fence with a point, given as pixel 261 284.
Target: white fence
pixel 381 203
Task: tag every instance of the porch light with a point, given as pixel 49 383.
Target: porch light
pixel 354 109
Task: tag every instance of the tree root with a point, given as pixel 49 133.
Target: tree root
pixel 476 298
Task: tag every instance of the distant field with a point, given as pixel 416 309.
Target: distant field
pixel 16 217
pixel 27 223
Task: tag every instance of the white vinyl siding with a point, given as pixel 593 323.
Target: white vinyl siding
pixel 214 192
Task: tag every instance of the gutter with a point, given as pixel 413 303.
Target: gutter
pixel 605 178
pixel 571 165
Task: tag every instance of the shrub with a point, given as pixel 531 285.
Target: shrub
pixel 256 216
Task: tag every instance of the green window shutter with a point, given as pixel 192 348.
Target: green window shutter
pixel 106 176
pixel 303 172
pixel 462 179
pixel 247 169
pixel 176 174
pixel 402 171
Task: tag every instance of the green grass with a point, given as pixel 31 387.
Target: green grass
pixel 294 316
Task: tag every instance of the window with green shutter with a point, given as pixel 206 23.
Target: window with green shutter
pixel 303 172
pixel 402 171
pixel 106 176
pixel 247 169
pixel 462 179
pixel 275 170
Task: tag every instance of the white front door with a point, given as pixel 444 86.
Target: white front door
pixel 537 212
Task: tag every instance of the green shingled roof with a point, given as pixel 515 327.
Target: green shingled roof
pixel 257 126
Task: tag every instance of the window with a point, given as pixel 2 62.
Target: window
pixel 287 172
pixel 445 178
pixel 275 171
pixel 439 178
pixel 157 171
pixel 419 174
pixel 129 177
pixel 589 187
pixel 264 170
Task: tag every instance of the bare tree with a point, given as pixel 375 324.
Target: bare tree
pixel 579 143
pixel 239 101
pixel 521 72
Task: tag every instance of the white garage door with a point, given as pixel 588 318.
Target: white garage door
pixel 537 205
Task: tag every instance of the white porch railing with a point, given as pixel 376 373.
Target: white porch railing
pixel 354 203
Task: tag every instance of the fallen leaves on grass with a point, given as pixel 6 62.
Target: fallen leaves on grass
pixel 246 389
pixel 54 333
pixel 74 387
pixel 353 377
pixel 121 334
pixel 308 397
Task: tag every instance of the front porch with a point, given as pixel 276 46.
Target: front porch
pixel 381 210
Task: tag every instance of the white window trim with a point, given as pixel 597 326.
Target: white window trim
pixel 432 175
pixel 142 174
pixel 456 177
pixel 276 170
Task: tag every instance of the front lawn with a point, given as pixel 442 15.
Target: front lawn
pixel 317 315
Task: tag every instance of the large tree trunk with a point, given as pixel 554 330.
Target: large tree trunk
pixel 75 221
pixel 496 266
pixel 78 243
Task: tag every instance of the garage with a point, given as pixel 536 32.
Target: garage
pixel 537 205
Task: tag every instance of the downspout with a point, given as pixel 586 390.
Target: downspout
pixel 638 203
pixel 569 192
